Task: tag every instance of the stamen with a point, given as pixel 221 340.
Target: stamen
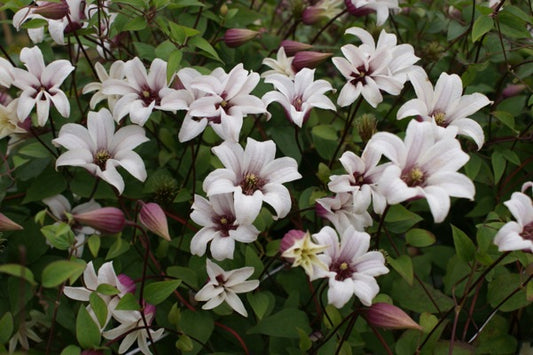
pixel 101 157
pixel 414 177
pixel 440 118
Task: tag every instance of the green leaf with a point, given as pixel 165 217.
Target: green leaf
pixel 48 183
pixel 305 342
pixel 420 238
pixel 87 332
pixel 99 307
pixel 464 246
pixel 106 289
pixel 399 219
pixel 202 44
pixel 501 287
pixel 60 235
pixel 403 266
pixel 506 118
pixel 419 299
pixel 332 317
pixel 174 60
pixel 57 272
pixel 18 271
pixel 184 343
pixel 157 292
pixel 34 150
pixel 283 324
pixel 71 350
pixel 511 157
pixel 93 242
pixel 176 4
pixel 119 247
pixel 428 321
pixel 498 165
pixel 6 327
pixel 473 166
pixel 136 24
pixel 128 303
pixel 482 25
pixel 260 302
pixel 198 325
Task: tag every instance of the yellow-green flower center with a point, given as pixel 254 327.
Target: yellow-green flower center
pixel 101 157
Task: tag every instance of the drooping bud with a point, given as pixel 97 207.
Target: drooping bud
pixel 309 59
pixel 293 47
pixel 388 316
pixel 52 10
pixel 235 37
pixel 357 11
pixel 127 283
pixel 367 126
pixel 513 90
pixel 153 218
pixel 312 15
pixel 6 224
pixel 109 220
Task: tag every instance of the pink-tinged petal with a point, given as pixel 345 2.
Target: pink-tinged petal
pixel 390 146
pixel 132 163
pixel 157 78
pixel 394 189
pixel 231 155
pixel 222 204
pixel 344 66
pixel 208 84
pixel 244 233
pixel 36 34
pixel 77 293
pixel 354 244
pixel 340 292
pixel 455 184
pixel 229 127
pixel 191 128
pixel 222 248
pixel 136 73
pixel 101 128
pixel 215 301
pixel 275 96
pixel 153 218
pixel 58 205
pixel 111 176
pixel 438 201
pixel 245 286
pixel 234 302
pixel 220 181
pixel 107 275
pixel 43 109
pixel 422 86
pixel 355 56
pixel 282 84
pixel 117 87
pixel 56 28
pixel 33 60
pixel 365 288
pixel 352 163
pixel 74 136
pixel 470 128
pixel 372 263
pixel 414 107
pixel 139 113
pixel 508 238
pixel 249 84
pixel 122 106
pixel 76 157
pixel 448 89
pixel 200 240
pixel 177 100
pixel 349 93
pixel 237 276
pixel 127 138
pixel 371 93
pixel 257 154
pixel 25 81
pixel 235 81
pixel 248 104
pixel 56 72
pixel 328 236
pixel 278 197
pixel 247 207
pixel 202 211
pixel 127 342
pixel 363 35
pixel 205 106
pixel 521 207
pixel 90 279
pixel 419 138
pixel 392 85
pixel 468 105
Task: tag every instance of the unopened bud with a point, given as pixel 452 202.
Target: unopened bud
pixel 385 315
pixel 357 11
pixel 235 37
pixel 52 10
pixel 513 90
pixel 6 224
pixel 366 126
pixel 154 219
pixel 289 238
pixel 109 220
pixel 293 47
pixel 312 15
pixel 309 59
pixel 223 9
pixel 127 283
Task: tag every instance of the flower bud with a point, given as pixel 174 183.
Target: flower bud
pixel 312 15
pixel 153 218
pixel 385 315
pixel 127 283
pixel 309 59
pixel 223 9
pixel 366 126
pixel 92 352
pixel 108 220
pixel 357 11
pixel 235 37
pixel 292 47
pixel 290 238
pixel 52 10
pixel 6 224
pixel 513 90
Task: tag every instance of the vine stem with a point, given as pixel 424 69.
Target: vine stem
pixel 235 334
pixel 348 124
pixel 326 26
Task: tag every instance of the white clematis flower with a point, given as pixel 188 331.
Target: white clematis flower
pixel 517 235
pixel 351 267
pixel 220 225
pixel 281 65
pixel 445 105
pixel 424 165
pixel 300 95
pixel 223 286
pixel 116 72
pixel 365 7
pixel 9 122
pixel 6 73
pixel 40 85
pixel 342 211
pixel 100 150
pixel 253 175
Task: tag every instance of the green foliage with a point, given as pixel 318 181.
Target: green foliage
pixel 157 292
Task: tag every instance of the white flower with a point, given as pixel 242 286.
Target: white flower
pixel 372 67
pixel 302 251
pixel 445 105
pixel 223 286
pixel 300 95
pixel 363 174
pixel 380 7
pixel 9 120
pixel 227 100
pixel 115 72
pixel 424 165
pixel 99 150
pixel 254 175
pixel 351 267
pixel 6 73
pixel 132 324
pixel 220 225
pixel 517 235
pixel 40 85
pixel 342 211
pixel 281 65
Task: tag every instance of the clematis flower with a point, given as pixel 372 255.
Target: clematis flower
pixel 227 100
pixel 6 73
pixel 300 95
pixel 40 85
pixel 445 105
pixel 351 267
pixel 221 226
pixel 343 211
pixel 365 7
pixel 223 286
pixel 254 176
pixel 116 72
pixel 140 93
pixel 9 122
pixel 99 150
pixel 424 165
pixel 132 324
pixel 373 67
pixel 281 65
pixel 517 235
pixel 301 251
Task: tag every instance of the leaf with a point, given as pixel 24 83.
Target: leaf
pixel 71 350
pixel 6 327
pixel 506 118
pixel 108 290
pixel 428 321
pixel 498 165
pixel 99 308
pixel 48 183
pixel 87 332
pixel 403 266
pixel 128 303
pixel 94 244
pixel 419 299
pixel 305 342
pixel 60 235
pixel 420 238
pixel 157 292
pixel 482 25
pixel 283 324
pixel 260 302
pixel 399 219
pixel 119 247
pixel 184 343
pixel 57 272
pixel 198 325
pixel 501 287
pixel 34 150
pixel 136 24
pixel 464 246
pixel 174 60
pixel 202 44
pixel 187 275
pixel 18 271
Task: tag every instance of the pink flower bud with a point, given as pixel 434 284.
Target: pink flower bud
pixel 108 220
pixel 52 10
pixel 513 90
pixel 357 11
pixel 312 15
pixel 235 37
pixel 7 224
pixel 320 210
pixel 289 238
pixel 308 59
pixel 385 315
pixel 127 282
pixel 292 47
pixel 153 218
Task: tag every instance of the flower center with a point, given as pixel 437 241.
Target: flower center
pixel 251 183
pixel 297 103
pixel 148 96
pixel 343 269
pixel 225 224
pixel 414 177
pixel 359 179
pixel 359 77
pixel 101 157
pixel 527 232
pixel 440 118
